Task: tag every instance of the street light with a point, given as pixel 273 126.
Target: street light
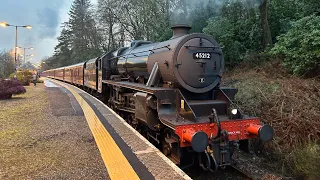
pixel 24 52
pixel 4 24
pixel 28 55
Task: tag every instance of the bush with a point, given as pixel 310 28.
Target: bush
pixel 8 87
pixel 300 47
pixel 39 80
pixel 23 76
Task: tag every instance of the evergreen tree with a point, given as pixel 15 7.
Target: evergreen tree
pixel 63 50
pixel 79 39
pixel 84 34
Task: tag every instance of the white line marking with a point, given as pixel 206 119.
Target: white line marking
pixel 146 151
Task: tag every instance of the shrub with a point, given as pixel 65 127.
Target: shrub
pixel 8 87
pixel 23 76
pixel 39 80
pixel 300 47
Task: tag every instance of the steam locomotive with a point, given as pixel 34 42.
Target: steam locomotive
pixel 170 91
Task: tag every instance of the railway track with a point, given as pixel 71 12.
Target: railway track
pixel 230 173
pixel 245 175
pixel 233 172
pixel 254 167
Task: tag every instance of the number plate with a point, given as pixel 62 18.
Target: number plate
pixel 202 55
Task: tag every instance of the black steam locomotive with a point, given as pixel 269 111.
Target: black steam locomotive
pixel 170 92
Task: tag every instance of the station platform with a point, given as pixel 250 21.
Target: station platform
pixel 126 154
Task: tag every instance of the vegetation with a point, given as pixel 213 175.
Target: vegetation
pixel 9 87
pixel 300 47
pixel 23 76
pixel 6 64
pixel 231 29
pixel 245 28
pixel 306 160
pixel 273 37
pixel 290 105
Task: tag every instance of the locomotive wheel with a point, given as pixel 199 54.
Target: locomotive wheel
pixel 170 146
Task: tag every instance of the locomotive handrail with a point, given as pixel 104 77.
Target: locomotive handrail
pixel 232 103
pixel 150 50
pixel 204 47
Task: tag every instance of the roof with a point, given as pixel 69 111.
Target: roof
pixel 79 64
pixel 91 61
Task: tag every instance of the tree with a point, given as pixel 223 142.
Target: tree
pixel 238 31
pixel 84 34
pixel 267 40
pixel 124 20
pixel 79 39
pixel 243 27
pixel 63 50
pixel 6 64
pixel 300 47
pixel 201 12
pixel 107 23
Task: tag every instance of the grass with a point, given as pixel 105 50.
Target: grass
pixel 17 117
pixel 307 160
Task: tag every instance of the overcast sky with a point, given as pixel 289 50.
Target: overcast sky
pixel 45 17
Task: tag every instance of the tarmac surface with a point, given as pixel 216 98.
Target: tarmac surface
pixel 57 131
pixel 44 135
pixel 125 152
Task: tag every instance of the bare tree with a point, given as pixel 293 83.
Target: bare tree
pixel 6 64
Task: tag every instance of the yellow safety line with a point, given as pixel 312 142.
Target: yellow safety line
pixel 116 163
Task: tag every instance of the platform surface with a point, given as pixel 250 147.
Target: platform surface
pixel 44 135
pixel 58 131
pixel 126 154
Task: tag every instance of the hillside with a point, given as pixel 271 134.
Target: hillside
pixel 291 105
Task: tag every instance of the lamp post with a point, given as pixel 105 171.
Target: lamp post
pixel 24 52
pixel 4 24
pixel 29 55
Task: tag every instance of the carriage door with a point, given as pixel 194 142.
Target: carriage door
pixel 99 74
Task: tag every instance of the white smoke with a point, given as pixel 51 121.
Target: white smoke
pixel 183 11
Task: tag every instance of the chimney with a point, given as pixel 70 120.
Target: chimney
pixel 180 30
